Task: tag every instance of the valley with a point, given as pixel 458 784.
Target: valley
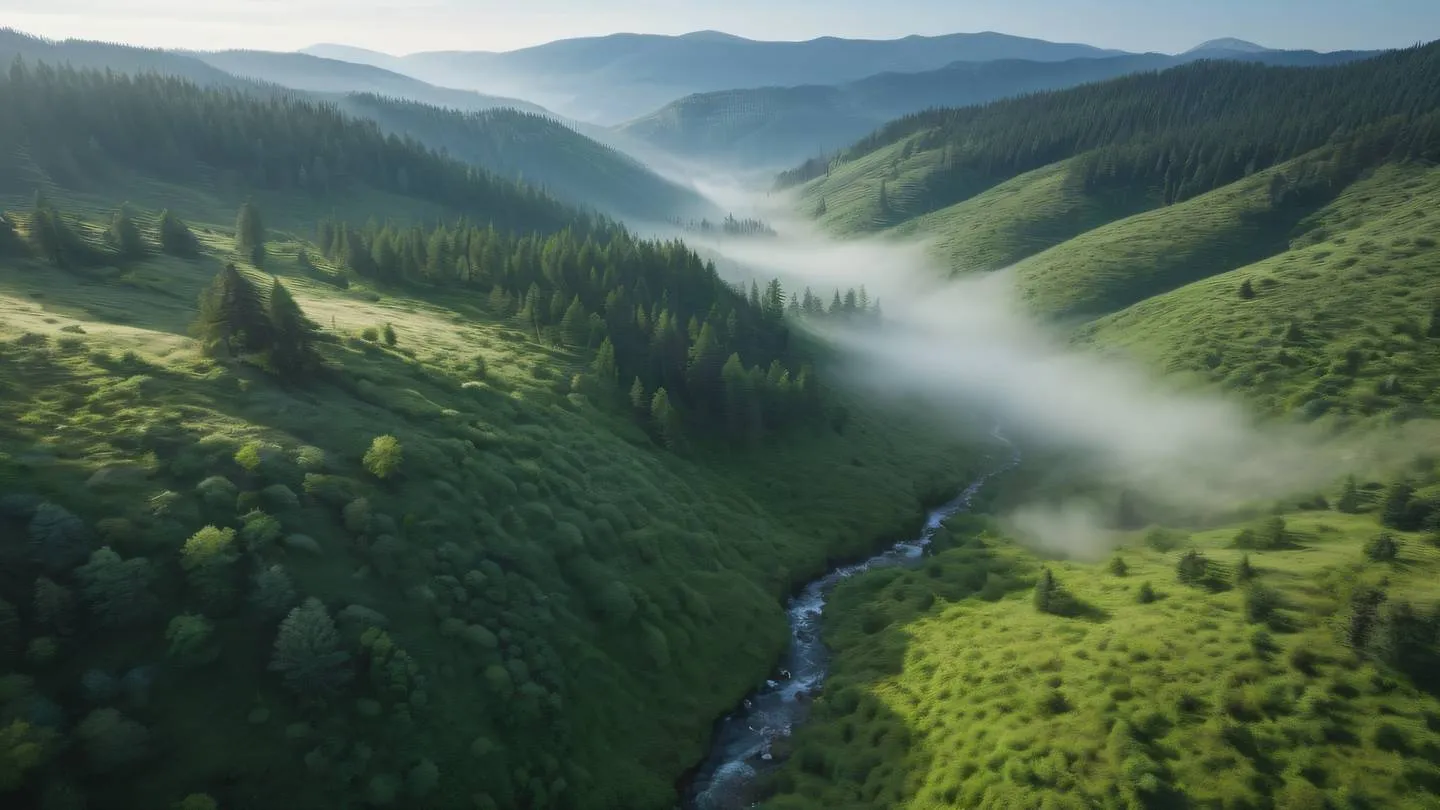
pixel 495 430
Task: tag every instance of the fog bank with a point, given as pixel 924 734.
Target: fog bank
pixel 966 344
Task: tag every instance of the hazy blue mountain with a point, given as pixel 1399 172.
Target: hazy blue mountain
pixel 773 126
pixel 540 151
pixel 303 71
pixel 1229 44
pixel 122 58
pixel 618 77
pixel 522 141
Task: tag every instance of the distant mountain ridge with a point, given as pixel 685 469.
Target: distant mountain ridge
pixel 512 138
pixel 1229 44
pixel 771 126
pixel 616 78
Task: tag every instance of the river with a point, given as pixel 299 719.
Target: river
pixel 741 750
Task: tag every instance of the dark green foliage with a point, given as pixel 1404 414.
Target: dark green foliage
pixel 176 238
pixel 1349 500
pixel 1382 548
pixel 1260 603
pixel 665 419
pixel 387 333
pixel 668 317
pixel 52 238
pixel 272 593
pixel 1118 567
pixel 1247 290
pixel 124 236
pixel 111 740
pixel 308 653
pixel 1244 571
pixel 1193 568
pixel 1270 535
pixel 1408 640
pixel 250 235
pixel 10 631
pixel 54 607
pixel 117 590
pixel 1045 590
pixel 191 640
pixel 80 122
pixel 1164 130
pixel 1395 510
pixel 59 540
pixel 232 320
pixel 291 335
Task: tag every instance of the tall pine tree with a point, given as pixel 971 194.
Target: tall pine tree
pixel 292 335
pixel 250 235
pixel 232 320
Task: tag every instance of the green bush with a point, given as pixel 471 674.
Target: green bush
pixel 307 652
pixel 191 640
pixel 383 458
pixel 1382 548
pixel 116 590
pixel 111 740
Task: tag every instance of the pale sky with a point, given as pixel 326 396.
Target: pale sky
pixel 398 28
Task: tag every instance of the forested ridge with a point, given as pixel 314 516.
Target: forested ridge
pixel 1179 133
pixel 537 150
pixel 80 126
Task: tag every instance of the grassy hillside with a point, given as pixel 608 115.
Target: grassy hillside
pixel 546 570
pixel 1298 272
pixel 951 689
pixel 1341 322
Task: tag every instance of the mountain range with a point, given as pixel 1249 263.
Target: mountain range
pixel 773 125
pixel 519 139
pixel 615 78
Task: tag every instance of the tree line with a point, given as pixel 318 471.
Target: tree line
pixel 695 353
pixel 82 126
pixel 1182 132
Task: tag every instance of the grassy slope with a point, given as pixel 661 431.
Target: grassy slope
pixel 938 697
pixel 723 534
pixel 945 699
pixel 1361 276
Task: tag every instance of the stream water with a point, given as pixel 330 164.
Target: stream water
pixel 742 747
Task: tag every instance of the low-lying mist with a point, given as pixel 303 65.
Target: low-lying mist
pixel 965 344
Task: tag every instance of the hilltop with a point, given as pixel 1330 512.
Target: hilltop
pixel 615 78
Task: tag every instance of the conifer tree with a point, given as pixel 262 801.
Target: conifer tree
pixel 666 419
pixel 292 335
pixel 250 235
pixel 1349 500
pixel 639 399
pixel 575 324
pixel 606 371
pixel 124 235
pixel 232 320
pixel 176 238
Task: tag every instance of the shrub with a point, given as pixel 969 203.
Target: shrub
pixel 217 492
pixel 1382 548
pixel 197 801
pixel 23 748
pixel 1118 566
pixel 1396 512
pixel 59 540
pixel 1193 568
pixel 54 606
pixel 388 333
pixel 1244 571
pixel 191 639
pixel 423 779
pixel 259 531
pixel 117 591
pixel 111 740
pixel 207 558
pixel 280 497
pixel 383 458
pixel 272 593
pixel 308 654
pixel 1146 594
pixel 370 333
pixel 310 459
pixel 1260 603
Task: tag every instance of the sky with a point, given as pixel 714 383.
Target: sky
pixel 405 27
